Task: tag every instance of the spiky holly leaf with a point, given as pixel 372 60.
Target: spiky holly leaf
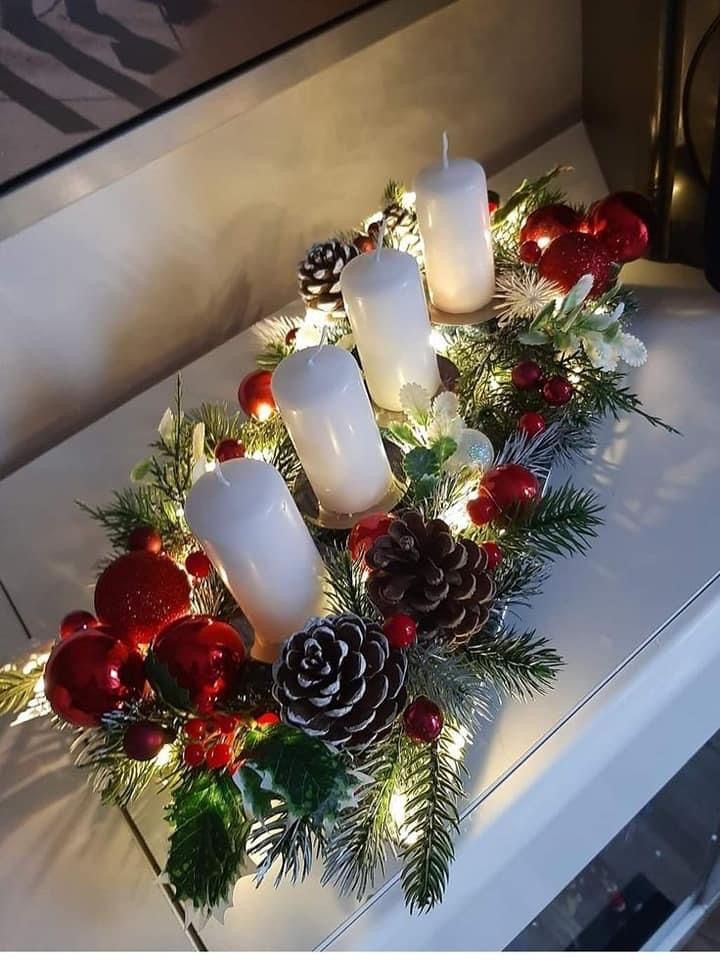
pixel 256 800
pixel 421 463
pixel 165 684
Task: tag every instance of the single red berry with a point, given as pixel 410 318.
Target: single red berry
pixel 401 631
pixel 219 756
pixel 526 375
pixel 77 620
pixel 493 553
pixel 557 391
pixel 531 423
pixel 268 719
pixel 529 251
pixel 290 336
pixel 195 729
pixel 226 723
pixel 364 244
pixel 198 564
pixel 229 449
pixel 366 531
pixel 194 754
pixel 423 720
pixel 145 538
pixel 482 510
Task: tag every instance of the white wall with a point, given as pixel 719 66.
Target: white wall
pixel 115 290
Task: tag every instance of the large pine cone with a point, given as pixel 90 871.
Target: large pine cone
pixel 338 679
pixel 319 276
pixel 403 232
pixel 420 569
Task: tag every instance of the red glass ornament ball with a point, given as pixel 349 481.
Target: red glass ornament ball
pixel 229 449
pixel 526 375
pixel 423 720
pixel 194 755
pixel 401 631
pixel 77 620
pixel 366 531
pixel 482 510
pixel 557 391
pixel 255 395
pixel 571 257
pixel 364 244
pixel 145 538
pixel 267 719
pixel 219 756
pixel 198 564
pixel 91 673
pixel 203 658
pixel 195 729
pixel 529 251
pixel 531 423
pixel 616 221
pixel 493 553
pixel 144 740
pixel 548 223
pixel 509 485
pixel 141 592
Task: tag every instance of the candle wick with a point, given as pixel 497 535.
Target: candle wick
pixel 323 340
pixel 380 239
pixel 220 475
pixel 445 150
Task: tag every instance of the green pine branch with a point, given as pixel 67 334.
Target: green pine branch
pixel 519 665
pixel 286 842
pixel 449 679
pixel 17 688
pixel 345 585
pixel 563 522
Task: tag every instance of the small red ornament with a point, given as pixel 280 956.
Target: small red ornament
pixel 548 223
pixel 198 564
pixel 291 336
pixel 77 620
pixel 218 756
pixel 364 244
pixel 529 251
pixel 401 631
pixel 229 449
pixel 91 673
pixel 144 740
pixel 557 391
pixel 493 201
pixel 571 257
pixel 618 224
pixel 267 719
pixel 423 720
pixel 141 592
pixel 509 486
pixel 145 538
pixel 255 395
pixel 195 729
pixel 482 510
pixel 227 724
pixel 531 423
pixel 526 375
pixel 194 755
pixel 366 531
pixel 493 553
pixel 203 658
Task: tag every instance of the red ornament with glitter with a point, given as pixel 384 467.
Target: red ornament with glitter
pixel 557 391
pixel 141 592
pixel 618 224
pixel 77 620
pixel 145 538
pixel 255 396
pixel 571 257
pixel 509 487
pixel 531 423
pixel 229 449
pixel 526 375
pixel 366 531
pixel 546 224
pixel 423 720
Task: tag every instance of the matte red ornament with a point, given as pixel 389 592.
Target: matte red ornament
pixel 366 531
pixel 218 756
pixel 548 223
pixel 482 510
pixel 423 720
pixel 526 375
pixel 493 553
pixel 557 391
pixel 77 620
pixel 196 661
pixel 198 564
pixel 91 673
pixel 229 449
pixel 364 244
pixel 401 631
pixel 255 396
pixel 194 755
pixel 145 538
pixel 145 739
pixel 529 251
pixel 531 423
pixel 141 592
pixel 571 257
pixel 618 225
pixel 509 486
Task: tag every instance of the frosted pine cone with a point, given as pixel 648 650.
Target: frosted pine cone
pixel 319 276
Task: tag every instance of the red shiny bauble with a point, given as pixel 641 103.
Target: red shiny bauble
pixel 531 423
pixel 423 720
pixel 493 201
pixel 255 395
pixel 198 564
pixel 571 257
pixel 218 756
pixel 482 510
pixel 557 391
pixel 509 486
pixel 493 553
pixel 201 657
pixel 526 375
pixel 366 531
pixel 529 251
pixel 194 755
pixel 139 593
pixel 145 538
pixel 364 244
pixel 229 449
pixel 401 631
pixel 267 719
pixel 548 223
pixel 144 740
pixel 91 673
pixel 77 620
pixel 618 224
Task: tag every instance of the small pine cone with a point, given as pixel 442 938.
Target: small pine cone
pixel 338 679
pixel 402 230
pixel 420 569
pixel 319 276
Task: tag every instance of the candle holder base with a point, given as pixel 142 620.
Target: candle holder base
pixel 482 315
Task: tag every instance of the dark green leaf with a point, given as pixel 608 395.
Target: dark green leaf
pixel 165 685
pixel 421 462
pixel 443 448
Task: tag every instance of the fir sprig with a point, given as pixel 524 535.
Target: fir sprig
pixel 17 688
pixel 519 665
pixel 563 522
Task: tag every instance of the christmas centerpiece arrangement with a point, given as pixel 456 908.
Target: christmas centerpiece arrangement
pixel 308 613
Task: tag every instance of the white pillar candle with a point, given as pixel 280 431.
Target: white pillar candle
pixel 248 524
pixel 452 208
pixel 323 402
pixel 385 301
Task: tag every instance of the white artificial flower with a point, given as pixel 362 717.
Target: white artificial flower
pixel 446 404
pixel 445 419
pixel 415 401
pixel 600 353
pixel 632 350
pixel 198 442
pixel 200 466
pixel 522 294
pixel 166 427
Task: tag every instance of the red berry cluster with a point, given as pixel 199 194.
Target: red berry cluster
pixel 556 391
pixel 211 742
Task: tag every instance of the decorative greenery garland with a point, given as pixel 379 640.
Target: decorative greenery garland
pixel 248 793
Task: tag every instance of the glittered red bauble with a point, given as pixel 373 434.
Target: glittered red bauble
pixel 144 740
pixel 531 423
pixel 145 538
pixel 364 244
pixel 255 396
pixel 482 510
pixel 423 720
pixel 529 251
pixel 616 223
pixel 141 592
pixel 571 257
pixel 557 391
pixel 77 620
pixel 91 673
pixel 366 531
pixel 493 201
pixel 493 553
pixel 509 486
pixel 195 662
pixel 198 564
pixel 401 631
pixel 229 449
pixel 548 223
pixel 526 375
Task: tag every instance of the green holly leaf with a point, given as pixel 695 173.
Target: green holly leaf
pixel 165 684
pixel 403 433
pixel 256 801
pixel 421 463
pixel 443 448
